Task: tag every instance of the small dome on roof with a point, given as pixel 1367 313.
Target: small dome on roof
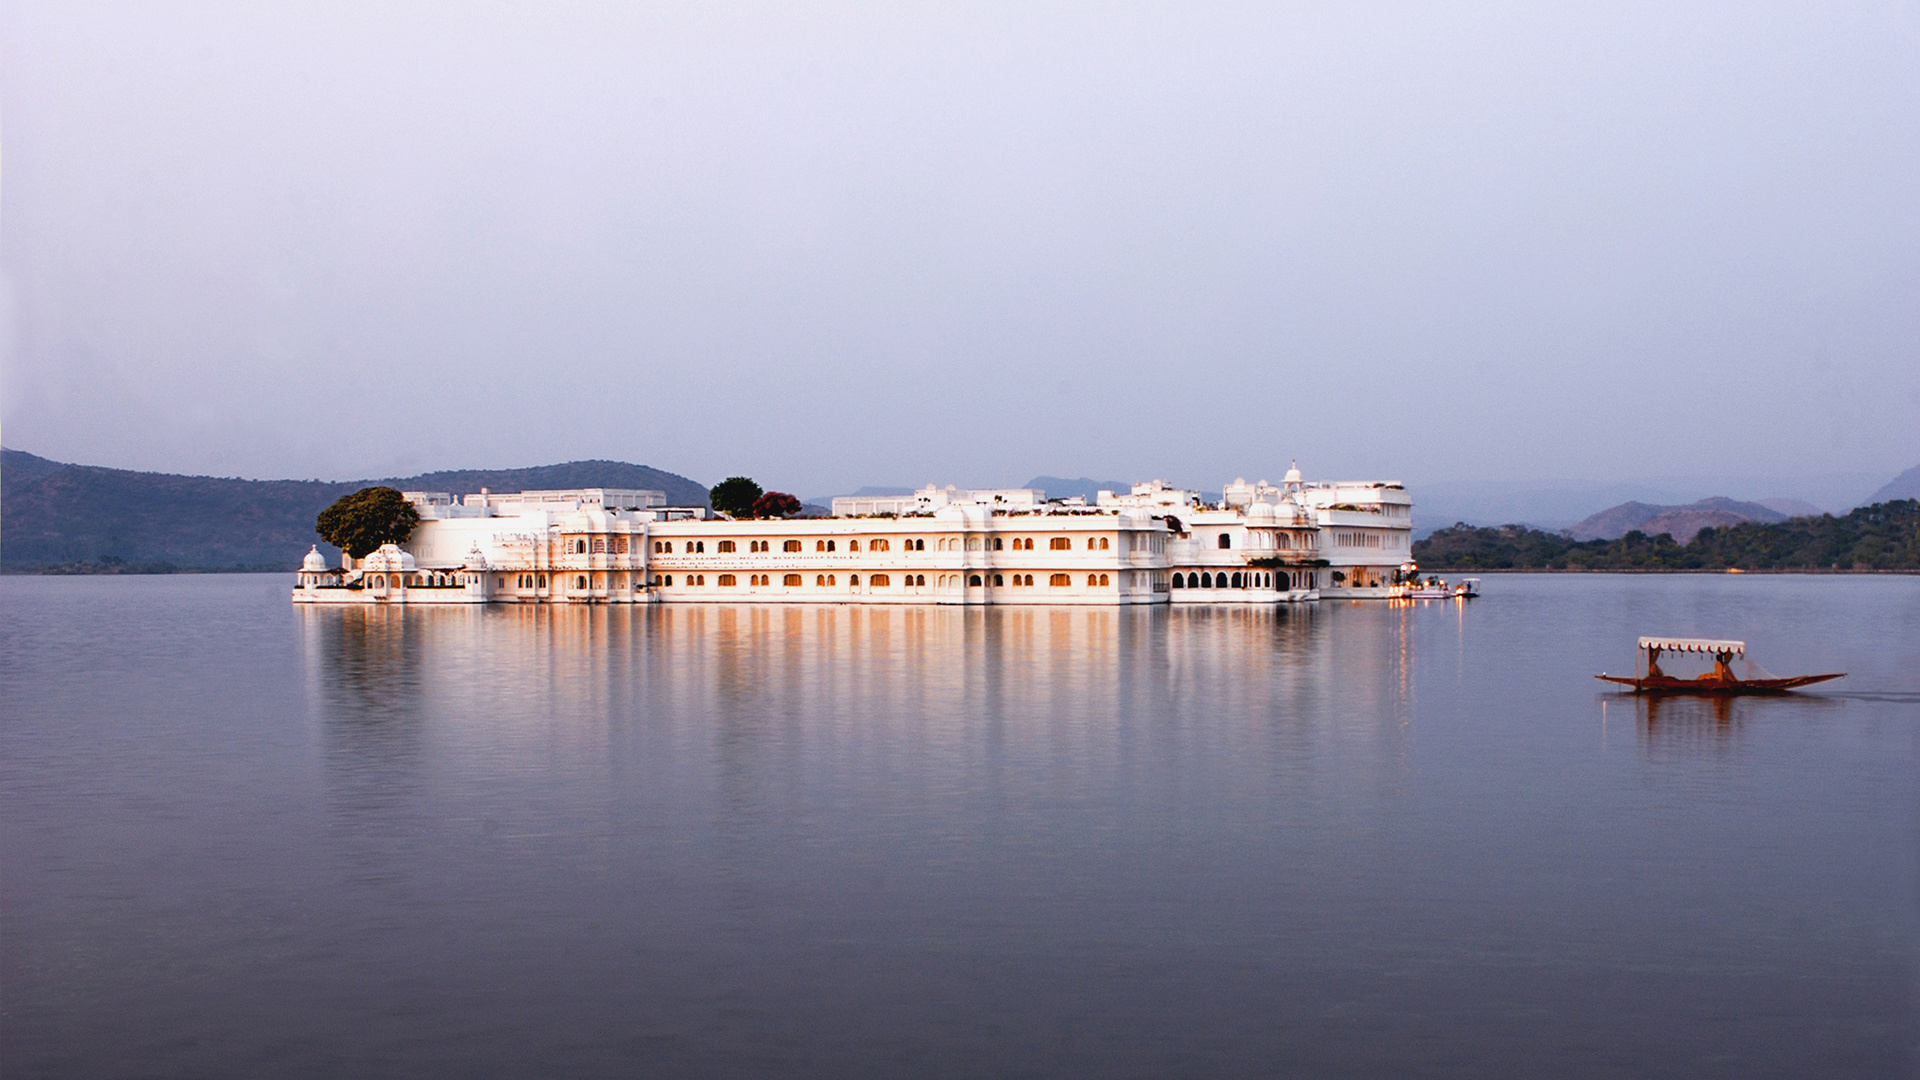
pixel 314 563
pixel 1260 511
pixel 1293 474
pixel 390 559
pixel 475 560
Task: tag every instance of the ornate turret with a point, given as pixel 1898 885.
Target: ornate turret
pixel 314 563
pixel 390 559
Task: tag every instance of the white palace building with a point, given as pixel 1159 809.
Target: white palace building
pixel 1260 544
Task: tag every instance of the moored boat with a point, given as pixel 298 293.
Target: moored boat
pixel 1649 679
pixel 1433 588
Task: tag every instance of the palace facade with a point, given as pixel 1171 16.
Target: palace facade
pixel 1260 544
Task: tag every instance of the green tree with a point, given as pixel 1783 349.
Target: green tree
pixel 776 504
pixel 735 496
pixel 359 523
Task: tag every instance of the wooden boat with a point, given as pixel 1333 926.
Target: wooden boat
pixel 1435 589
pixel 1721 680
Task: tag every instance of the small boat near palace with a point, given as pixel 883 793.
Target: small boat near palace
pixel 1435 589
pixel 1649 679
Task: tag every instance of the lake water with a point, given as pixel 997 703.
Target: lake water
pixel 246 840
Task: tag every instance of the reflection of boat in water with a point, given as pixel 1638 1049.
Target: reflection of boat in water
pixel 1721 680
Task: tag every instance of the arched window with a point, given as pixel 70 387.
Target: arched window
pixel 999 579
pixel 1103 580
pixel 853 580
pixel 973 579
pixel 725 546
pixel 668 581
pixel 701 547
pixel 998 543
pixel 1206 581
pixel 1062 543
pixel 580 582
pixel 1226 541
pixel 879 545
pixel 1092 543
pixel 829 545
pixel 1179 581
pixel 726 581
pixel 853 545
pixel 791 545
pixel 1103 543
pixel 1236 581
pixel 793 580
pixel 879 581
pixel 819 545
pixel 600 545
pixel 1093 580
pixel 920 579
pixel 819 581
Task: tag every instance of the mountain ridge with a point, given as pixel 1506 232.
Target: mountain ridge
pixel 1682 522
pixel 62 517
pixel 1904 486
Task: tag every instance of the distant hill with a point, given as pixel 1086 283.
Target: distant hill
pixel 57 517
pixel 1061 488
pixel 1904 486
pixel 1680 521
pixel 1792 508
pixel 1884 536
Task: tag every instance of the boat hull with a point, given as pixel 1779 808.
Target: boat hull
pixel 1715 684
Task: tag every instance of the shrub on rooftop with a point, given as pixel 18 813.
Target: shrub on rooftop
pixel 735 496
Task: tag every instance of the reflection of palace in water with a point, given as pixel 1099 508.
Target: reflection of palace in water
pixel 1261 544
pixel 389 683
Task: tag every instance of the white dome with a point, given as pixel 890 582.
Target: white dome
pixel 1293 474
pixel 1260 512
pixel 475 560
pixel 389 559
pixel 314 563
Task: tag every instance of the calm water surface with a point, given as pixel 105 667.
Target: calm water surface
pixel 245 840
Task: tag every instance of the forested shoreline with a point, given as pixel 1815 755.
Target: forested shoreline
pixel 1881 537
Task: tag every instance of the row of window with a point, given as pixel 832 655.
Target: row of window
pixel 974 543
pixel 879 581
pixel 1369 540
pixel 415 581
pixel 794 581
pixel 602 545
pixel 1243 580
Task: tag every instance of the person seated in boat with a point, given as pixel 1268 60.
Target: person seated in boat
pixel 1720 669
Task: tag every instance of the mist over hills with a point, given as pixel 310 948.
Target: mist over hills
pixel 60 517
pixel 1904 486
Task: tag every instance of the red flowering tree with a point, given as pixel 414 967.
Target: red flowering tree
pixel 776 504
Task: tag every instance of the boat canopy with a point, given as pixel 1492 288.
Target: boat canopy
pixel 1693 644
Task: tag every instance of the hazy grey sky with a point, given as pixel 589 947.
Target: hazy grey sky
pixel 840 244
